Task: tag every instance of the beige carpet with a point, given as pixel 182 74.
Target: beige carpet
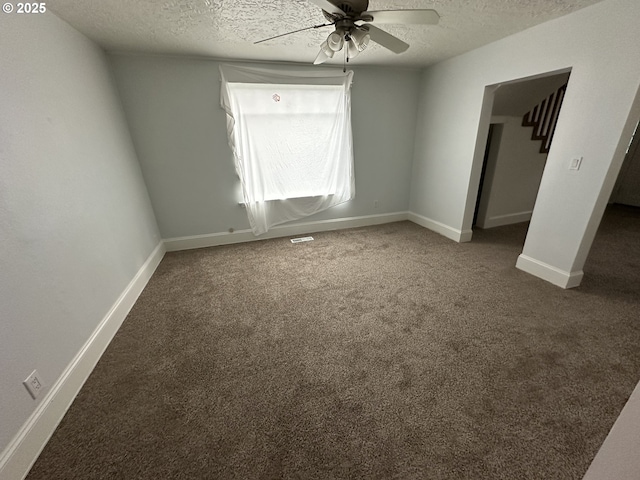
pixel 385 352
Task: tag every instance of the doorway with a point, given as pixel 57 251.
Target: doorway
pixel 627 188
pixel 522 122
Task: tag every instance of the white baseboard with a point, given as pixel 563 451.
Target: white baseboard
pixel 22 452
pixel 241 236
pixel 618 456
pixel 454 234
pixel 500 220
pixel 549 273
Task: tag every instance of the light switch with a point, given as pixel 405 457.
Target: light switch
pixel 575 163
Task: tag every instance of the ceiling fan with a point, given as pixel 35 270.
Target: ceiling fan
pixel 355 27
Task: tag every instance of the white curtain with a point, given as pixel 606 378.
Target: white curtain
pixel 290 133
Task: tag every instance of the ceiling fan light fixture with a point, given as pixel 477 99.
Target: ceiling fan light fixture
pixel 360 38
pixel 326 49
pixel 335 41
pixel 325 54
pixel 352 48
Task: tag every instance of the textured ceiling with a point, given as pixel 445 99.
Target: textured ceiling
pixel 228 28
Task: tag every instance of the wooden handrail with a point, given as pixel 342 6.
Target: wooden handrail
pixel 544 117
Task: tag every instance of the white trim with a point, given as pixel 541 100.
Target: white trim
pixel 241 236
pixel 618 456
pixel 549 273
pixel 454 234
pixel 508 219
pixel 22 452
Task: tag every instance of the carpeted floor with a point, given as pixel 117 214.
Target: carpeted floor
pixel 385 352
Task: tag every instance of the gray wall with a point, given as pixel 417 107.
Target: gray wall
pixel 179 130
pixel 76 223
pixel 598 115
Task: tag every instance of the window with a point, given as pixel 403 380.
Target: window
pixel 287 131
pixel 291 141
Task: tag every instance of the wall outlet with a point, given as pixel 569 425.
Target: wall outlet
pixel 375 204
pixel 33 384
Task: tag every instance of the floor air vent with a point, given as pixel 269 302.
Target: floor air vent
pixel 301 239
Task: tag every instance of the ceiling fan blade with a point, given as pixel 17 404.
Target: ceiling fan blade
pixel 404 17
pixel 295 31
pixel 387 40
pixel 327 6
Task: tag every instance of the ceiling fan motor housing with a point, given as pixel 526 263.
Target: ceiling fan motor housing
pixel 352 7
pixel 345 25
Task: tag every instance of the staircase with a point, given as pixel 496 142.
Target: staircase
pixel 543 118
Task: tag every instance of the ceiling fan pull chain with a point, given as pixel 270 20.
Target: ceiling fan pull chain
pixel 346 58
